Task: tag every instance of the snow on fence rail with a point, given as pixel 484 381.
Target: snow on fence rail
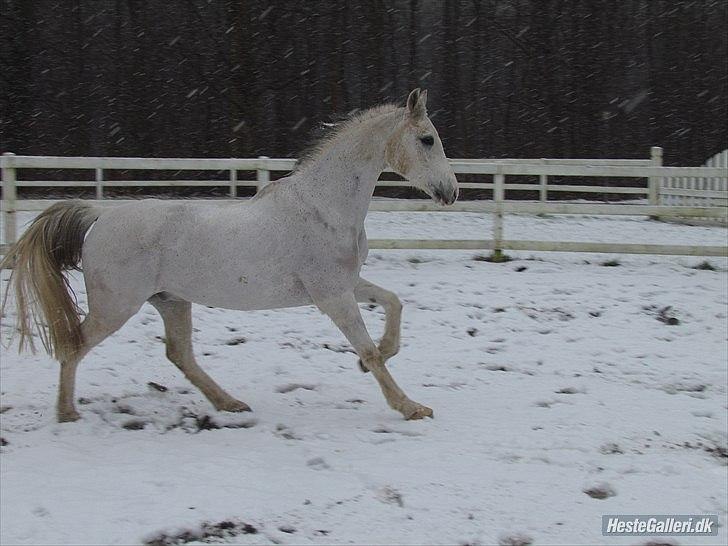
pixel 658 177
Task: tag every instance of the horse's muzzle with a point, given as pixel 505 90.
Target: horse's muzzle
pixel 445 194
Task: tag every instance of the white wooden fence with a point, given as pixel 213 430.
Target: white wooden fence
pixel 705 192
pixel 499 169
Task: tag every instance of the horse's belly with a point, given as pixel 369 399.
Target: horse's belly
pixel 245 292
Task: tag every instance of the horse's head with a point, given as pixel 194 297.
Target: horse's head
pixel 415 152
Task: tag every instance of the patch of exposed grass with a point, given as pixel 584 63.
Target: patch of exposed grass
pixel 495 258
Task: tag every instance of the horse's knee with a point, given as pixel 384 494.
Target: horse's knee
pixel 389 344
pixel 393 303
pixel 390 301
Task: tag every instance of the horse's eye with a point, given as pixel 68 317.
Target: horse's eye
pixel 427 140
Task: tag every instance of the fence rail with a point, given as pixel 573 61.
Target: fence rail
pixel 658 178
pixel 699 191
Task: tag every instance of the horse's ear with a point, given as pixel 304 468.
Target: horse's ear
pixel 423 100
pixel 416 103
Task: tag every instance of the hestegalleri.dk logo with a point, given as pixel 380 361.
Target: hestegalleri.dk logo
pixel 659 525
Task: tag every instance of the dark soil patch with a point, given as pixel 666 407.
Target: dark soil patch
pixel 611 449
pixel 124 409
pixel 666 316
pixel 134 424
pixel 515 540
pixel 601 492
pixel 335 349
pixel 193 423
pixel 719 452
pixel 208 532
pixel 685 387
pixel 705 266
pixel 567 390
pixel 497 368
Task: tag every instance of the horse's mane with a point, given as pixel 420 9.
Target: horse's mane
pixel 327 132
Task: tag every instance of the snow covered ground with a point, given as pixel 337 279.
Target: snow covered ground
pixel 563 389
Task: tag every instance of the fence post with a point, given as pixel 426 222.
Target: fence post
pixel 263 174
pixel 9 198
pixel 233 183
pixel 99 183
pixel 655 181
pixel 543 186
pixel 498 197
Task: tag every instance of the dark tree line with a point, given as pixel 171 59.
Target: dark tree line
pixel 506 78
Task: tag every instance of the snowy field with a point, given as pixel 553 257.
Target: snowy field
pixel 563 389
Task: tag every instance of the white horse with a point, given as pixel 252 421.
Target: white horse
pixel 300 241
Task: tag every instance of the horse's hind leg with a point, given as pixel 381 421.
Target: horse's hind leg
pixel 177 317
pixel 369 292
pixel 95 328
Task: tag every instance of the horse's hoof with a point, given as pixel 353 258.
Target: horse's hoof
pixel 362 367
pixel 235 406
pixel 418 412
pixel 68 416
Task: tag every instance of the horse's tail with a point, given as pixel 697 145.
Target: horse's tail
pixel 45 302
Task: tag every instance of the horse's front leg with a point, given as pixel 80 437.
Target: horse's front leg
pixel 345 313
pixel 368 292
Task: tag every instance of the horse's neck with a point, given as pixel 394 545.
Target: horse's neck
pixel 342 179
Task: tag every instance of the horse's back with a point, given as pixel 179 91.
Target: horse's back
pixel 141 225
pixel 218 254
pixel 131 241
